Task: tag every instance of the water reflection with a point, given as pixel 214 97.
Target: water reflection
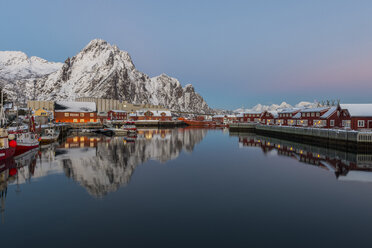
pixel 98 163
pixel 346 166
pixel 15 171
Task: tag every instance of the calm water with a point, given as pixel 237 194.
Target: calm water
pixel 186 188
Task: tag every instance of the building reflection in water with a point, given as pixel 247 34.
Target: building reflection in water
pixel 98 163
pixel 346 166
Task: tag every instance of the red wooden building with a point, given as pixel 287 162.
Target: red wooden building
pixel 268 117
pixel 114 115
pixel 309 115
pixel 285 117
pixel 251 117
pixel 160 115
pixel 360 116
pixel 224 119
pixel 333 118
pixel 76 112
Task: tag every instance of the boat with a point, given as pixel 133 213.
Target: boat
pixel 197 122
pixel 26 139
pixel 7 144
pixel 50 135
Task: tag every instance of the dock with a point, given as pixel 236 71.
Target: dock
pixel 334 137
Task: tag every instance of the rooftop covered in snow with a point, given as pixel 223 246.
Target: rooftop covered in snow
pixel 289 110
pixel 75 107
pixel 319 109
pixel 360 110
pixel 329 112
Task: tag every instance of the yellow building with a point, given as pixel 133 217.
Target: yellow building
pixel 41 112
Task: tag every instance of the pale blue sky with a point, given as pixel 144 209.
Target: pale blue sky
pixel 234 52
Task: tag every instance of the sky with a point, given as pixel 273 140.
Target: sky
pixel 235 53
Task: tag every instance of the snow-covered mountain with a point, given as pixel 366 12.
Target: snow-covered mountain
pixel 276 107
pixel 99 70
pixel 16 65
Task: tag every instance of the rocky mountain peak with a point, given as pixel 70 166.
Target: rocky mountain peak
pixel 98 70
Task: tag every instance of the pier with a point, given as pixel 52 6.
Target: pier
pixel 349 139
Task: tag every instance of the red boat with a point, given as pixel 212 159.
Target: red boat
pixel 26 139
pixel 7 147
pixel 197 123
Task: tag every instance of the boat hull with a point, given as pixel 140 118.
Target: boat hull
pixel 199 123
pixel 7 153
pixel 25 148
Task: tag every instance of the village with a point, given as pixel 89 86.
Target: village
pixel 96 110
pixel 43 122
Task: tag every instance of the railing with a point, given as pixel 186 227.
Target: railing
pixel 364 137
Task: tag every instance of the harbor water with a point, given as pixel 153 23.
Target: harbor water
pixel 186 187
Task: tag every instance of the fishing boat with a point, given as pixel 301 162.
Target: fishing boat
pixel 50 135
pixel 26 139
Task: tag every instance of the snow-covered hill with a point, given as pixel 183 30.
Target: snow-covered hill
pixel 16 65
pixel 276 107
pixel 99 70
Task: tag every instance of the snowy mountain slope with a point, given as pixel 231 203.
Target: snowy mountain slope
pixel 276 107
pixel 19 72
pixel 102 70
pixel 98 70
pixel 16 65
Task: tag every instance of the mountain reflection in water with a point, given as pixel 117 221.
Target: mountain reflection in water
pixel 98 163
pixel 346 166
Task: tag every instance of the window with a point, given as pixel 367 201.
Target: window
pixel 332 123
pixel 81 120
pixel 346 123
pixel 312 114
pixel 91 120
pixel 308 114
pixel 67 115
pixel 317 114
pixel 81 114
pixel 360 123
pixel 91 114
pixel 75 120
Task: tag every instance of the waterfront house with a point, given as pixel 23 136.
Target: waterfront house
pixel 224 119
pixel 360 116
pixel 76 112
pixel 219 119
pixel 310 114
pixel 285 117
pixel 159 115
pixel 333 118
pixel 268 117
pixel 102 116
pixel 252 116
pixel 117 115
